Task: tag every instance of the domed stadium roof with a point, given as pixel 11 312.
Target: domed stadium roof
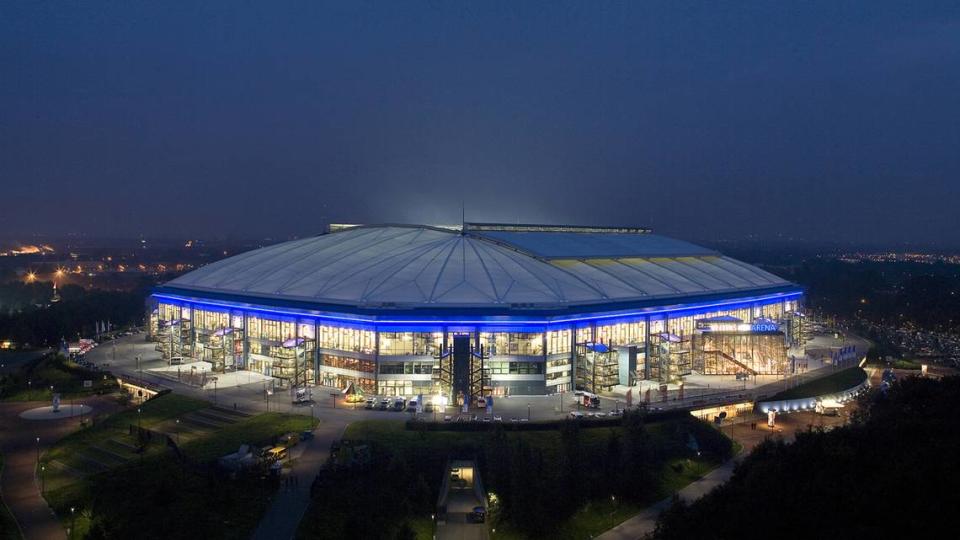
pixel 483 266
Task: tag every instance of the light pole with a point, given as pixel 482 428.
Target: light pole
pixel 73 520
pixel 38 450
pixel 140 437
pixel 528 412
pixel 310 427
pixel 43 478
pixel 178 432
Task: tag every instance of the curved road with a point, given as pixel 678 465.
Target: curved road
pixel 19 483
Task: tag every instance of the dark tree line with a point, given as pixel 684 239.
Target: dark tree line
pixel 925 294
pixel 539 478
pixel 76 314
pixel 538 489
pixel 893 473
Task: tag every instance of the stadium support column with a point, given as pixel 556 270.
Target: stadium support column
pixel 245 345
pixel 646 348
pixel 573 357
pixel 376 360
pixel 543 355
pixel 316 353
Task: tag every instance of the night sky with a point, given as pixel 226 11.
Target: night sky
pixel 707 120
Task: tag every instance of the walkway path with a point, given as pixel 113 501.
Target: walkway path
pixel 19 483
pixel 787 428
pixel 281 520
pixel 646 521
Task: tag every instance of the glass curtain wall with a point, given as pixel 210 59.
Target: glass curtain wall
pixel 274 348
pixel 512 343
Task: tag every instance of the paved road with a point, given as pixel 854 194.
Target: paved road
pixel 19 483
pixel 289 504
pixel 646 521
pixel 460 504
pixel 787 427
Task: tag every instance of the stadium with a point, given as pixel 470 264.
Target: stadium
pixel 479 309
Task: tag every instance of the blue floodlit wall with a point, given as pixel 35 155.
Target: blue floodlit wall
pixel 546 368
pixel 500 322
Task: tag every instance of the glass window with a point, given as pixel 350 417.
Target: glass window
pixel 410 343
pixel 515 368
pixel 346 338
pixel 343 362
pixel 406 368
pixel 622 333
pixel 558 341
pixel 404 388
pixel 512 343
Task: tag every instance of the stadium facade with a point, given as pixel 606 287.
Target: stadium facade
pixel 482 309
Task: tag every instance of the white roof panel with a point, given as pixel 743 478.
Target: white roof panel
pixel 418 266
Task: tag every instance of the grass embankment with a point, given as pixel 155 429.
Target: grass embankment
pixel 121 492
pixel 911 365
pixel 601 454
pixel 836 382
pixel 33 380
pixel 8 525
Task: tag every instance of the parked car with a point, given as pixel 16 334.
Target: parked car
pixel 384 404
pixel 398 404
pixel 478 515
pixel 428 407
pixel 371 403
pixel 576 415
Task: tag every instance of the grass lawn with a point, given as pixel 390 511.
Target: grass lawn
pixel 259 429
pixel 8 525
pixel 111 434
pixel 836 382
pixel 97 471
pixel 907 364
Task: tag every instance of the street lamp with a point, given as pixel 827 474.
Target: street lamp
pixel 528 412
pixel 38 450
pixel 43 478
pixel 178 432
pixel 140 436
pixel 310 427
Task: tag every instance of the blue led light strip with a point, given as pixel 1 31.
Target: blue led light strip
pixel 743 302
